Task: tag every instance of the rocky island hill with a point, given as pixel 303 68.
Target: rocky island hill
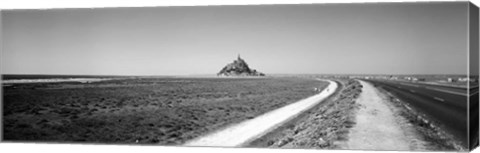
pixel 239 68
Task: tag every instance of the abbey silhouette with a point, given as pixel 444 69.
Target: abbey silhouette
pixel 238 68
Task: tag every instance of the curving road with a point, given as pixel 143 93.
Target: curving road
pixel 247 131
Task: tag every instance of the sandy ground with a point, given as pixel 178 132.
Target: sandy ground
pixel 244 132
pixel 377 127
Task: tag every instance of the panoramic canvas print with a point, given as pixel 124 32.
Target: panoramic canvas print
pixel 373 76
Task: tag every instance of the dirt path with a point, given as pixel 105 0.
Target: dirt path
pixel 377 127
pixel 244 132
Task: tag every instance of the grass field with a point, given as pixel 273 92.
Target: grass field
pixel 165 111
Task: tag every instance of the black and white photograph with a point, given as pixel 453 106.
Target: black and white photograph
pixel 387 76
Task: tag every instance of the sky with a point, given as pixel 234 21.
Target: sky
pixel 388 38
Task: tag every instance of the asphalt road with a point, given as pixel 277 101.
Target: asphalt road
pixel 474 119
pixel 445 105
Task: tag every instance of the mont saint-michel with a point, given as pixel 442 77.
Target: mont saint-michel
pixel 239 67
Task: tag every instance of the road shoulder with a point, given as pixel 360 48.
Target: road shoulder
pixel 378 125
pixel 428 132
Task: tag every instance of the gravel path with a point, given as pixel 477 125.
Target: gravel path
pixel 376 125
pixel 244 132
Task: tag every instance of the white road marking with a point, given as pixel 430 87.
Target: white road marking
pixel 439 99
pixel 471 94
pixel 242 133
pixel 446 91
pixel 410 85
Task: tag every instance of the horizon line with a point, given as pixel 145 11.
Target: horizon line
pixel 213 74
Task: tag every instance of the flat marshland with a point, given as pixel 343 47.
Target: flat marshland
pixel 165 111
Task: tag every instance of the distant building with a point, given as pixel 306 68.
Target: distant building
pixel 451 80
pixel 408 78
pixel 463 79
